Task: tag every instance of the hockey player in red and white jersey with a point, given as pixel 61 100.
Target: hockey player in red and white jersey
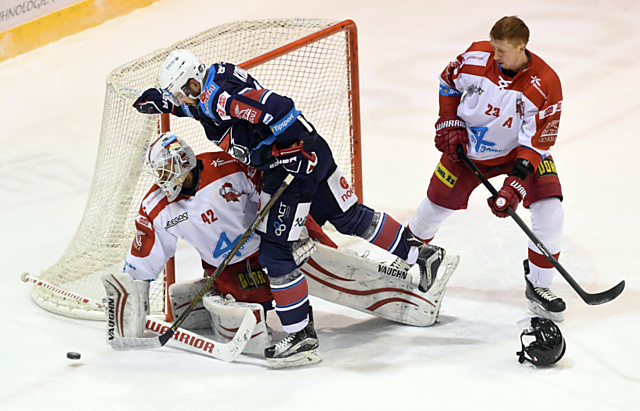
pixel 502 104
pixel 210 200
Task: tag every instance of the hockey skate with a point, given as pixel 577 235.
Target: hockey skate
pixel 543 301
pixel 296 349
pixel 429 259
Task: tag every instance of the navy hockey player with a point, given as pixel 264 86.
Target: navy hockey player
pixel 265 130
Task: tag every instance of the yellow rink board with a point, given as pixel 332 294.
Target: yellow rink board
pixel 62 23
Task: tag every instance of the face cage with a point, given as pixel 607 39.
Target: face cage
pixel 168 178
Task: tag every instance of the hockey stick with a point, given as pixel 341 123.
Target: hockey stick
pixel 132 343
pixel 190 341
pixel 591 299
pixel 27 278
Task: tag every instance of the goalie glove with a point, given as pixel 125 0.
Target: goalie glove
pixel 127 305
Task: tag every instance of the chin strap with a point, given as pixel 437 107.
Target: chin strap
pixel 521 354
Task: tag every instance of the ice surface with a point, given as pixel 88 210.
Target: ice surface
pixel 50 120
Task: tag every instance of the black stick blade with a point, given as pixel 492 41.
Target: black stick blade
pixel 605 296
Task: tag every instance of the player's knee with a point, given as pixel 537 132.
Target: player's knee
pixel 426 221
pixel 547 219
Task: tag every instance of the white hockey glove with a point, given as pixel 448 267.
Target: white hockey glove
pixel 127 305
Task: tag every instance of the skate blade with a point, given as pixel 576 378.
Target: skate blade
pixel 301 359
pixel 539 310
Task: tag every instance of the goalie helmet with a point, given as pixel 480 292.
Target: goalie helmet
pixel 170 160
pixel 548 345
pixel 176 71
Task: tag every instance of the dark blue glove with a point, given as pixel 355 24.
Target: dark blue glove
pixel 295 159
pixel 154 101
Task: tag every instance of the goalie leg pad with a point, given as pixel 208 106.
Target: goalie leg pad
pixel 127 305
pixel 376 288
pixel 227 315
pixel 181 294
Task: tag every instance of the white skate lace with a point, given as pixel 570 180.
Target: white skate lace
pixel 285 341
pixel 545 293
pixel 400 264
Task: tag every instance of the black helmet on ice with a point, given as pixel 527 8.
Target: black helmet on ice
pixel 547 348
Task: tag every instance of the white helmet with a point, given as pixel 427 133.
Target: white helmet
pixel 170 160
pixel 177 69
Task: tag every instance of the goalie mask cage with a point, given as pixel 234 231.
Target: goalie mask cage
pixel 313 61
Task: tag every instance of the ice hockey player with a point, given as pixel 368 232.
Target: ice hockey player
pixel 210 200
pixel 265 130
pixel 502 104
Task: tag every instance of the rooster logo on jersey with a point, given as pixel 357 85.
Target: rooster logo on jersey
pixel 520 108
pixel 229 193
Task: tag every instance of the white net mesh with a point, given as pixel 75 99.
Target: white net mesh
pixel 315 76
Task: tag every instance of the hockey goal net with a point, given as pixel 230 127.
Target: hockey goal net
pixel 310 60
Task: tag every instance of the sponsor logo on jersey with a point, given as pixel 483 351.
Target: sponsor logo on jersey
pixel 349 191
pixel 267 118
pixel 229 193
pixel 392 272
pixel 445 176
pixel 222 101
pixel 206 96
pixel 476 58
pixel 550 133
pixel 245 112
pixel 551 110
pixel 547 168
pixel 251 279
pixel 127 264
pixel 177 220
pixel 220 162
pixel 282 125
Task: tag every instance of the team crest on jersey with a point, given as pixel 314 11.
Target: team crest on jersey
pixel 445 176
pixel 520 108
pixel 229 193
pixel 547 168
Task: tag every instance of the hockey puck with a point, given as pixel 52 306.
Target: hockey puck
pixel 73 355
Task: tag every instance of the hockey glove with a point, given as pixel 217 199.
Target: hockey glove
pixel 451 132
pixel 294 159
pixel 511 193
pixel 154 101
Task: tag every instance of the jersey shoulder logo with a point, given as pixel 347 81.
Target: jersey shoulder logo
pixel 229 193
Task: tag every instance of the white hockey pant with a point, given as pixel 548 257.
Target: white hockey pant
pixel 427 219
pixel 547 222
pixel 127 305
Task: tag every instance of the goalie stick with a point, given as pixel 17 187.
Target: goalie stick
pixel 591 299
pixel 189 340
pixel 133 343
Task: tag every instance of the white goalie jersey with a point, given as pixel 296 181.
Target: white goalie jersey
pixel 212 221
